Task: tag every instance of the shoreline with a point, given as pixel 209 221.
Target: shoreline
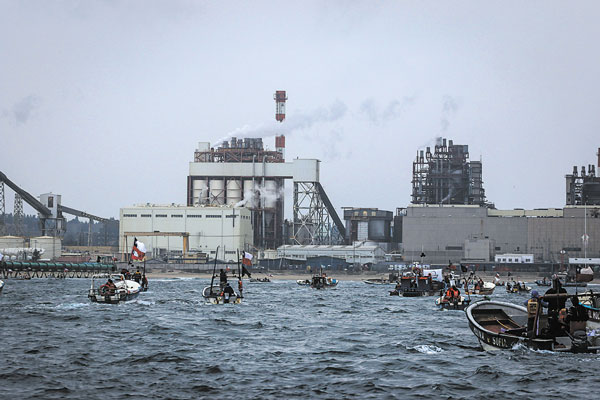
pixel 292 275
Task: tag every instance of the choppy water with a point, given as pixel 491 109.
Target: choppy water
pixel 284 341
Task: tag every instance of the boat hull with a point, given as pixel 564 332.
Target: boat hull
pixel 215 297
pixel 115 298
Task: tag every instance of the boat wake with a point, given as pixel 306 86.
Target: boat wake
pixel 426 349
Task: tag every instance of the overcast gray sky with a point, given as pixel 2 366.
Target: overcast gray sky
pixel 104 101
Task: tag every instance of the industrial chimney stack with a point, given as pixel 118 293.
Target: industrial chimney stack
pixel 280 99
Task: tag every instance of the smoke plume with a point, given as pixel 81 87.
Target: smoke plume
pixel 292 124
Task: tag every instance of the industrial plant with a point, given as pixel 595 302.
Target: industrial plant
pixel 235 202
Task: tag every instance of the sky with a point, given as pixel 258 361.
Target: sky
pixel 104 102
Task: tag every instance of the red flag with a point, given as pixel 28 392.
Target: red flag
pixel 247 260
pixel 139 250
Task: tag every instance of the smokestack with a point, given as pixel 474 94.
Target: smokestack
pixel 280 145
pixel 280 98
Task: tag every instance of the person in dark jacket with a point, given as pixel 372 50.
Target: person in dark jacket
pixel 222 278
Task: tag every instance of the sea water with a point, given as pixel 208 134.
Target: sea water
pixel 284 341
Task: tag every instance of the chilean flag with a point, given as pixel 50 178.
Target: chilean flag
pixel 139 250
pixel 247 260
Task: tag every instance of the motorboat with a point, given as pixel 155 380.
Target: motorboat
pixel 123 290
pixel 485 290
pixel 217 295
pixel 303 282
pixel 499 326
pixel 411 285
pixel 452 304
pixel 377 281
pixel 222 293
pixel 1 286
pixel 323 282
pixel 517 287
pixel 543 282
pixel 263 280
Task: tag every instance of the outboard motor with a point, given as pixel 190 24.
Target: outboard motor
pixel 579 342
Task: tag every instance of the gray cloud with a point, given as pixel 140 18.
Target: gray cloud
pixel 392 110
pixel 23 110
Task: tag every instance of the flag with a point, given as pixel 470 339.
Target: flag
pixel 139 250
pixel 247 260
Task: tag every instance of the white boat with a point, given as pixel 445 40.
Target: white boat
pixel 123 290
pixel 1 286
pixel 222 293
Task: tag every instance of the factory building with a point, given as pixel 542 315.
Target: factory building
pixel 470 233
pixel 241 172
pixel 446 176
pixel 169 230
pixel 360 253
pixel 583 188
pixel 369 224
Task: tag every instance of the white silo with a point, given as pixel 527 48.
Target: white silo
pixel 200 192
pixel 234 191
pixel 270 194
pixel 217 192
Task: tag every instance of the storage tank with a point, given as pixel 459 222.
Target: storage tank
pixel 200 193
pixel 250 194
pixel 10 242
pixel 270 194
pixel 52 246
pixel 234 191
pixel 217 192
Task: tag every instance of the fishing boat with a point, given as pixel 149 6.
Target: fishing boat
pixel 485 290
pixel 221 293
pixel 458 304
pixel 517 287
pixel 377 281
pixel 303 282
pixel 499 325
pixel 121 290
pixel 411 285
pixel 323 282
pixel 263 280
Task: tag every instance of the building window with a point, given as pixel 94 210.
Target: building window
pixel 161 215
pixel 194 216
pixel 176 215
pixel 230 252
pixel 231 216
pixel 146 215
pixel 213 216
pixel 129 215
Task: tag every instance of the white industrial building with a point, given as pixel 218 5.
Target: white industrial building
pixel 359 253
pixel 514 258
pixel 178 229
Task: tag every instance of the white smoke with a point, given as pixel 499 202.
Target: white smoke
pixel 292 124
pixel 267 195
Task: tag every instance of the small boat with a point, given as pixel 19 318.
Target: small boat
pixel 265 279
pixel 514 287
pixel 445 304
pixel 416 286
pixel 499 326
pixel 216 294
pixel 123 289
pixel 323 282
pixel 303 282
pixel 486 290
pixel 1 286
pixel 543 282
pixel 377 281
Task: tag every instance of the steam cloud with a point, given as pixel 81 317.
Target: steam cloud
pixel 292 123
pixel 449 108
pixel 392 110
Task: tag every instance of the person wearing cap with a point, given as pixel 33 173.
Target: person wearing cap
pixel 228 292
pixel 534 310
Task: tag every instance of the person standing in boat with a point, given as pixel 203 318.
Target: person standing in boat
pixel 228 292
pixel 222 278
pixel 240 286
pixel 534 309
pixel 137 276
pixel 555 304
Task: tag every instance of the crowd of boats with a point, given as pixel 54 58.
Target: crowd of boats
pixel 555 320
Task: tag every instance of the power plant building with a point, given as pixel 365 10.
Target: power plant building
pixel 176 229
